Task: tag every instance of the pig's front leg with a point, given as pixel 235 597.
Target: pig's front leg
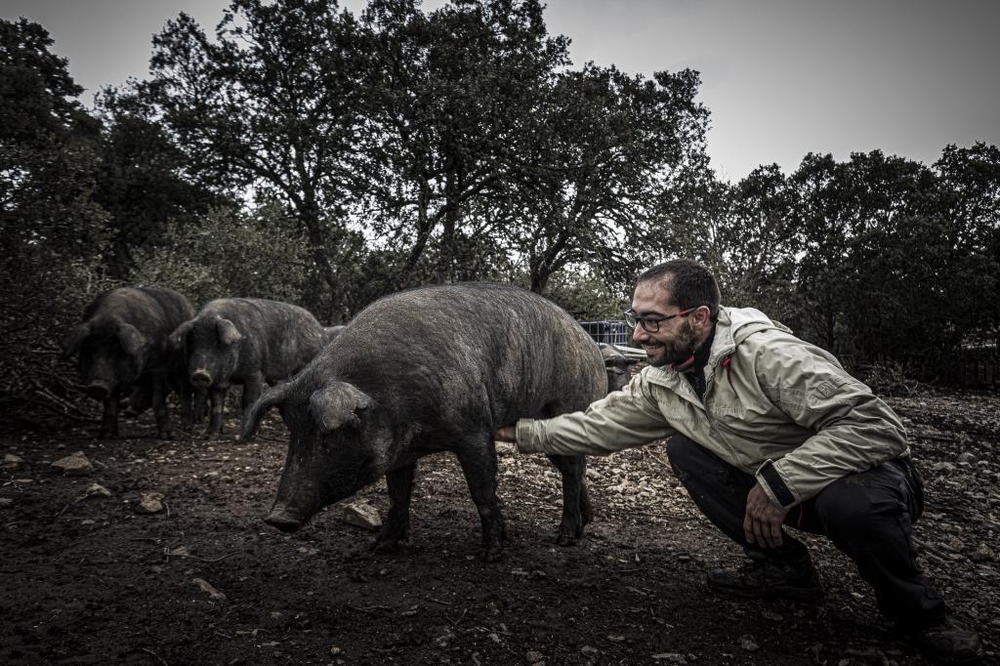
pixel 217 400
pixel 397 523
pixel 253 387
pixel 109 419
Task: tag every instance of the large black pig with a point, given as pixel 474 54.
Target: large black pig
pixel 247 341
pixel 123 345
pixel 429 370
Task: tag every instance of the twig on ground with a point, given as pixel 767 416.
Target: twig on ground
pixel 437 601
pixel 151 653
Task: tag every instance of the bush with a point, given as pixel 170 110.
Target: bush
pixel 230 255
pixel 585 295
pixel 889 378
pixel 42 295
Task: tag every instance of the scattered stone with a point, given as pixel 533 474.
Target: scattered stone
pixel 75 465
pixel 983 554
pixel 957 545
pixel 966 457
pixel 150 503
pixel 10 460
pixel 361 514
pixel 748 643
pixel 670 657
pixel 96 490
pixel 534 657
pixel 206 587
pixel 6 502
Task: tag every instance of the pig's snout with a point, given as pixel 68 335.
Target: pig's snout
pixel 201 378
pixel 98 390
pixel 283 519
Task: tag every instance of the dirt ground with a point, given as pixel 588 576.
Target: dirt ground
pixel 86 579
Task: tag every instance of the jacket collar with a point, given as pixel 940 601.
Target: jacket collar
pixel 733 327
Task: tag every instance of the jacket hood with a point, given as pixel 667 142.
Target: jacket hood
pixel 736 325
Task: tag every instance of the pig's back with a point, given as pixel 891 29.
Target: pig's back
pixel 482 346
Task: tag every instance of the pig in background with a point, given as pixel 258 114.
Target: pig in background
pixel 424 371
pixel 246 341
pixel 330 332
pixel 616 365
pixel 123 347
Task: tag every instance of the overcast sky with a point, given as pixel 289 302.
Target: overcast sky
pixel 781 77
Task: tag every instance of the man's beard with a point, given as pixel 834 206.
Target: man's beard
pixel 677 350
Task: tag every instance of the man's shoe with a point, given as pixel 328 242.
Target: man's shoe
pixel 949 643
pixel 765 578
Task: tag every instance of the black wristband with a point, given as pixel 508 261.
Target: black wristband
pixel 776 484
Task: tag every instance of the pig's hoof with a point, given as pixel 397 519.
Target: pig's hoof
pixel 387 545
pixel 491 554
pixel 357 553
pixel 283 520
pixel 568 538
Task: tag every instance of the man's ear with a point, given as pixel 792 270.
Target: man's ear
pixel 702 317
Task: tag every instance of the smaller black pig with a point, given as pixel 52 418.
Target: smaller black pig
pixel 617 366
pixel 330 332
pixel 424 371
pixel 248 341
pixel 123 347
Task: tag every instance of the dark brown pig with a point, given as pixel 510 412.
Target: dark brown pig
pixel 246 341
pixel 424 371
pixel 616 365
pixel 123 346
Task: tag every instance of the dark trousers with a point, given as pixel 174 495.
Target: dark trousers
pixel 868 515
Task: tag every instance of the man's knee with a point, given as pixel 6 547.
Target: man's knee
pixel 685 454
pixel 861 504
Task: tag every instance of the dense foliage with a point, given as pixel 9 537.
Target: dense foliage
pixel 305 153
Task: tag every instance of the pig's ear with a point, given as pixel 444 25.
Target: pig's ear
pixel 177 337
pixel 273 396
pixel 133 341
pixel 228 333
pixel 338 404
pixel 74 338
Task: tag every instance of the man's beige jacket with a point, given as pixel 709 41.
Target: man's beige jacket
pixel 774 406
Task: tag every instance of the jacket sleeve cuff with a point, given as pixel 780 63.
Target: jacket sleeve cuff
pixel 776 488
pixel 527 434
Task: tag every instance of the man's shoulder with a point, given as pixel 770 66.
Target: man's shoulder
pixel 748 320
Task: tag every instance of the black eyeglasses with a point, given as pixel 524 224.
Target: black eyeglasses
pixel 651 323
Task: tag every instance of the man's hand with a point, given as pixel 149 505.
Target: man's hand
pixel 506 434
pixel 762 524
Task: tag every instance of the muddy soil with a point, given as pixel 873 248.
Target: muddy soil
pixel 88 579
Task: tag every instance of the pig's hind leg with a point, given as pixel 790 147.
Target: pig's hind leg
pixel 576 502
pixel 479 464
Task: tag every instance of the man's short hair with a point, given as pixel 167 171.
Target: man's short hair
pixel 689 283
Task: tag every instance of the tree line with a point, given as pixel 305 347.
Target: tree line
pixel 305 153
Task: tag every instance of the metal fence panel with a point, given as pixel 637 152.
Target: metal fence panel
pixel 610 332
